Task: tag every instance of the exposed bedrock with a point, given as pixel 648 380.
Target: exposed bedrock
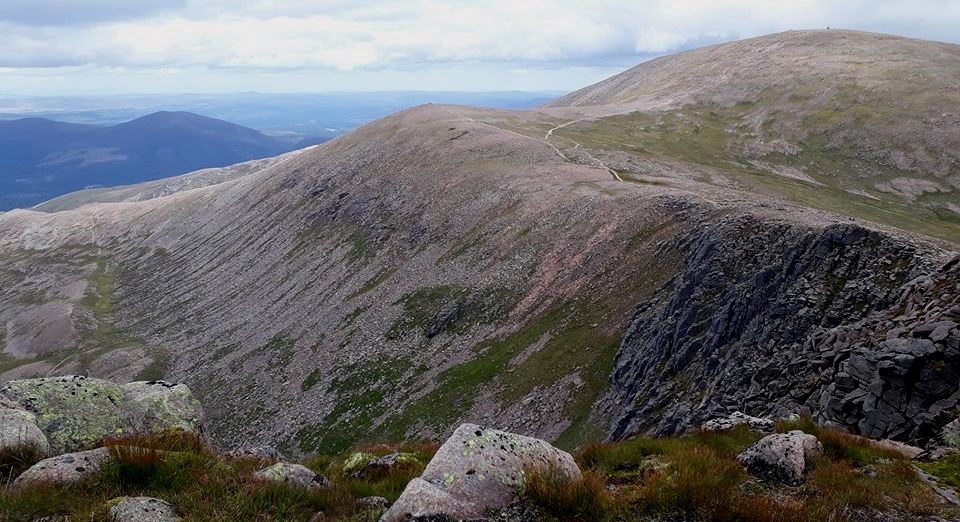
pixel 844 324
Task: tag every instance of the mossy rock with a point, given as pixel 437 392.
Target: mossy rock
pixel 357 461
pixel 74 412
pixel 154 406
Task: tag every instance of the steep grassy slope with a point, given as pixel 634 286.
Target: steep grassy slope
pixel 447 263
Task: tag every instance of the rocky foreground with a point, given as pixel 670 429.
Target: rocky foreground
pixel 77 448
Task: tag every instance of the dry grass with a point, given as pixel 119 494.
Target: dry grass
pixel 15 460
pixel 181 469
pixel 697 477
pixel 694 477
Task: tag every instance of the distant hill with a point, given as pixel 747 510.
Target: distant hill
pixel 43 158
pixel 751 227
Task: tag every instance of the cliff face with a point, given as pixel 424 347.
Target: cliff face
pixel 772 320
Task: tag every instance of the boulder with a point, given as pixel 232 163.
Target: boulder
pixel 64 469
pixel 478 469
pixel 153 406
pixel 383 464
pixel 293 474
pixel 142 509
pixel 373 503
pixel 357 461
pixel 737 419
pixel 782 457
pixel 259 453
pixel 423 500
pixel 76 412
pixel 950 434
pixel 73 412
pixel 18 429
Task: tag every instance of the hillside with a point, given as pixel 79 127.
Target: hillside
pixel 574 272
pixel 44 158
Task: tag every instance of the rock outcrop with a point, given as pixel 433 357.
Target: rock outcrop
pixel 73 413
pixel 782 457
pixel 151 406
pixel 846 325
pixel 478 469
pixel 363 465
pixel 18 428
pixel 293 474
pixel 64 469
pixel 142 509
pixel 737 419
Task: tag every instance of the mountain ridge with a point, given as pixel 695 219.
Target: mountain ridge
pixel 47 158
pixel 449 263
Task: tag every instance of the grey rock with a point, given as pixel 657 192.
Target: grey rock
pixel 911 347
pixel 64 469
pixel 373 502
pixel 154 406
pixel 74 412
pixel 293 474
pixel 737 419
pixel 142 509
pixel 384 464
pixel 423 500
pixel 782 457
pixel 946 493
pixel 942 331
pixel 259 452
pixel 18 429
pixel 478 469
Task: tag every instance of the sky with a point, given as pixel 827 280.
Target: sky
pixel 58 47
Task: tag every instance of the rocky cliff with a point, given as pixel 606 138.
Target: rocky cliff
pixel 843 324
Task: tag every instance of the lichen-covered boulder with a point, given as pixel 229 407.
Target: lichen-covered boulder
pixel 153 406
pixel 782 457
pixel 738 419
pixel 357 461
pixel 478 469
pixel 18 429
pixel 64 469
pixel 293 474
pixel 379 465
pixel 74 412
pixel 142 509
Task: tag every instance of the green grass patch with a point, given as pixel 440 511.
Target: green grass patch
pixel 946 469
pixel 159 364
pixel 361 394
pixel 280 351
pixel 373 283
pixel 311 380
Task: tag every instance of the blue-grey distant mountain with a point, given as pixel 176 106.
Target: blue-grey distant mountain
pixel 42 158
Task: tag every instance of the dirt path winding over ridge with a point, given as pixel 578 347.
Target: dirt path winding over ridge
pixel 600 164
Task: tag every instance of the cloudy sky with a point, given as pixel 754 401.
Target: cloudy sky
pixel 115 46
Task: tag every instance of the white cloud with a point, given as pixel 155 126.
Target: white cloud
pixel 339 36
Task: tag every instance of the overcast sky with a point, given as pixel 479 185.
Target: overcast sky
pixel 115 46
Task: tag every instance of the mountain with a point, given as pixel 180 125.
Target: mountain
pixel 45 158
pixel 635 257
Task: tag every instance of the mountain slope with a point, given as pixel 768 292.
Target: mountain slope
pixel 871 120
pixel 570 272
pixel 44 158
